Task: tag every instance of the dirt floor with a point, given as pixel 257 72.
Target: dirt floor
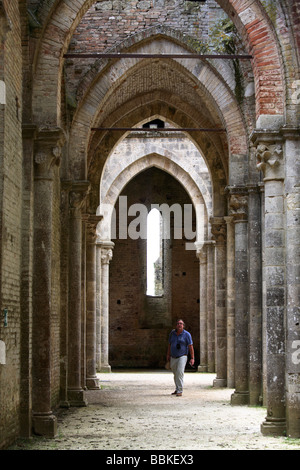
pixel 136 411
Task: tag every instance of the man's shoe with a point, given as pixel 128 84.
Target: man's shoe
pixel 178 394
pixel 174 393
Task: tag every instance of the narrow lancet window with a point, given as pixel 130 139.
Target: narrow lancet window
pixel 154 254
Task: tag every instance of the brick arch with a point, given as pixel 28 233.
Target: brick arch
pixel 177 42
pixel 60 23
pixel 146 162
pixel 249 18
pixel 103 104
pixel 145 108
pixel 254 27
pixel 168 158
pixel 215 94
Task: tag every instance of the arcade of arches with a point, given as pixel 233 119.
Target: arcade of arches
pixel 196 111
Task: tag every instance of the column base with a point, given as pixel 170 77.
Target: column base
pixel 64 404
pixel 202 368
pixel 26 424
pixel 106 368
pixel 240 398
pixel 273 427
pixel 230 383
pixel 220 383
pixel 44 424
pixel 93 383
pixel 77 398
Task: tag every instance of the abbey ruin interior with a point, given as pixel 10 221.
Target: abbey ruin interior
pixel 113 110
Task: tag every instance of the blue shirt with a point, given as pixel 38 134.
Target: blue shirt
pixel 183 340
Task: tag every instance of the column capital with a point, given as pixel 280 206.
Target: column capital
pixel 6 25
pixel 106 251
pixel 29 131
pixel 254 187
pixel 229 219
pixel 91 222
pixel 290 133
pixel 218 229
pixel 238 204
pixel 201 253
pixel 269 153
pixel 47 151
pixel 78 191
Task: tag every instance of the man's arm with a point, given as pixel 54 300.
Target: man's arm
pixel 192 354
pixel 169 352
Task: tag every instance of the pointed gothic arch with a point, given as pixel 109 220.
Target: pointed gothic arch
pixel 51 167
pixel 108 202
pixel 248 18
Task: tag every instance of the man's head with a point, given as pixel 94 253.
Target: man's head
pixel 180 324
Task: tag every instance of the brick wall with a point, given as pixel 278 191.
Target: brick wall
pixel 10 248
pixel 109 24
pixel 138 334
pixel 55 288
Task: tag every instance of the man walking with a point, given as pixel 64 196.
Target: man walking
pixel 180 345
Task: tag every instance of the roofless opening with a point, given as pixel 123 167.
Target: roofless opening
pixel 154 124
pixel 154 253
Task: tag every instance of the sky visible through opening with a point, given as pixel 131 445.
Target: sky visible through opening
pixel 153 247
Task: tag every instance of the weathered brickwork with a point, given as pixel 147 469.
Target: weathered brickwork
pixel 136 341
pixel 55 318
pixel 72 298
pixel 11 202
pixel 109 23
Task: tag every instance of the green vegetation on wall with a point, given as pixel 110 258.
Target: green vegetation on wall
pixel 224 38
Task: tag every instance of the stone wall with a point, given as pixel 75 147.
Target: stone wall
pixel 10 229
pixel 111 25
pixel 56 314
pixel 139 329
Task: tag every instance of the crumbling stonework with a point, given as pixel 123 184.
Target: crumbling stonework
pixel 73 295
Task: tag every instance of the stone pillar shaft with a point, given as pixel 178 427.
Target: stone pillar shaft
pixel 203 309
pixel 47 156
pixel 292 194
pixel 92 381
pixel 210 296
pixel 76 394
pixel 219 233
pixel 230 304
pixel 238 206
pixel 98 307
pixel 241 394
pixel 255 297
pixel 269 156
pixel 275 298
pixel 106 256
pixel 29 133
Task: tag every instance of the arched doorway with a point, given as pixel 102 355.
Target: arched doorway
pixel 189 95
pixel 140 323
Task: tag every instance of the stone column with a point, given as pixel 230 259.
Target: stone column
pixel 64 294
pixel 76 394
pixel 269 155
pixel 106 256
pixel 47 156
pixel 218 228
pixel 98 306
pixel 230 304
pixel 292 194
pixel 29 134
pixel 210 296
pixel 255 295
pixel 238 206
pixel 203 309
pixel 92 382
